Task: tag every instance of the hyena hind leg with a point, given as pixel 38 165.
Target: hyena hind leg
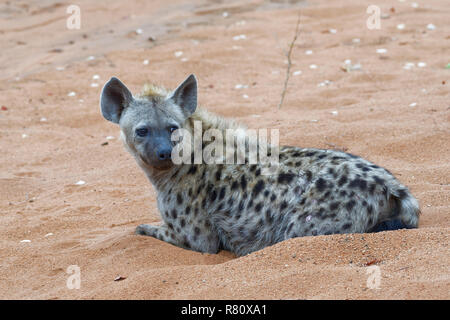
pixel 404 215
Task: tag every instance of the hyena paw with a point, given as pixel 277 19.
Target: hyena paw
pixel 144 230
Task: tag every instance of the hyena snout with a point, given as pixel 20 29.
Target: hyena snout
pixel 158 153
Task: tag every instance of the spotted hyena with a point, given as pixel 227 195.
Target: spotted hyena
pixel 208 207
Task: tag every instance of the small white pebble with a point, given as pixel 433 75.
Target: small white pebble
pixel 48 234
pixel 23 241
pixel 308 52
pixel 139 31
pixel 43 119
pixel 24 135
pixel 241 86
pixel 71 94
pixel 80 183
pixel 178 53
pixel 401 26
pixel 382 50
pixel 81 101
pixel 240 37
pixel 431 26
pixel 414 5
pixel 335 113
pixel 236 47
pixel 333 31
pixel 296 73
pixel 95 77
pixel 90 58
pixel 314 120
pixel 94 85
pixel 424 90
pixel 225 14
pixel 184 59
pixel 109 138
pixel 356 40
pixel 145 62
pixel 413 104
pixel 421 64
pixel 245 96
pixel 348 61
pixel 313 66
pixel 286 265
pixel 60 68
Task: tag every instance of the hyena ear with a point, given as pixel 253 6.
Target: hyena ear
pixel 186 95
pixel 115 97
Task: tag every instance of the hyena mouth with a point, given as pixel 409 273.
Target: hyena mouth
pixel 164 165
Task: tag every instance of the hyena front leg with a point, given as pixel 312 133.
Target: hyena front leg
pixel 162 232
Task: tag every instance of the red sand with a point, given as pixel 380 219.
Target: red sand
pixel 92 225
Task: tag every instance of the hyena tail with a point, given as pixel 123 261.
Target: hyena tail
pixel 405 212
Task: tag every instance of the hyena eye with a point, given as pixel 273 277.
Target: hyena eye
pixel 173 128
pixel 141 132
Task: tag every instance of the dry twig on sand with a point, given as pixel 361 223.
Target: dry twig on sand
pixel 288 55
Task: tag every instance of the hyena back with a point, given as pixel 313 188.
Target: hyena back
pixel 208 207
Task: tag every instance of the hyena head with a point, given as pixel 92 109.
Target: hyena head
pixel 147 121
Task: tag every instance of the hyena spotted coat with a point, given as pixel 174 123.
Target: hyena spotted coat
pixel 208 207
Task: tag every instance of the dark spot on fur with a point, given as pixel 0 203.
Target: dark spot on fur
pixel 222 193
pixel 269 217
pixel 234 185
pixel 334 205
pixel 258 207
pixel 358 183
pixel 188 210
pixel 179 198
pixel 259 186
pixel 243 182
pixel 213 195
pixel 182 222
pixel 346 226
pixel 321 184
pixel 350 205
pixel 378 180
pixel 192 169
pixel 204 203
pixel 308 175
pixel 241 205
pixel 197 231
pixel 174 213
pixel 273 197
pixel 285 178
pixel 342 181
pixel 402 194
pixel 283 205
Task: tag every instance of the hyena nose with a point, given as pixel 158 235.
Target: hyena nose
pixel 164 154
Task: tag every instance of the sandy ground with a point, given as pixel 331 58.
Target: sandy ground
pixel 393 113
